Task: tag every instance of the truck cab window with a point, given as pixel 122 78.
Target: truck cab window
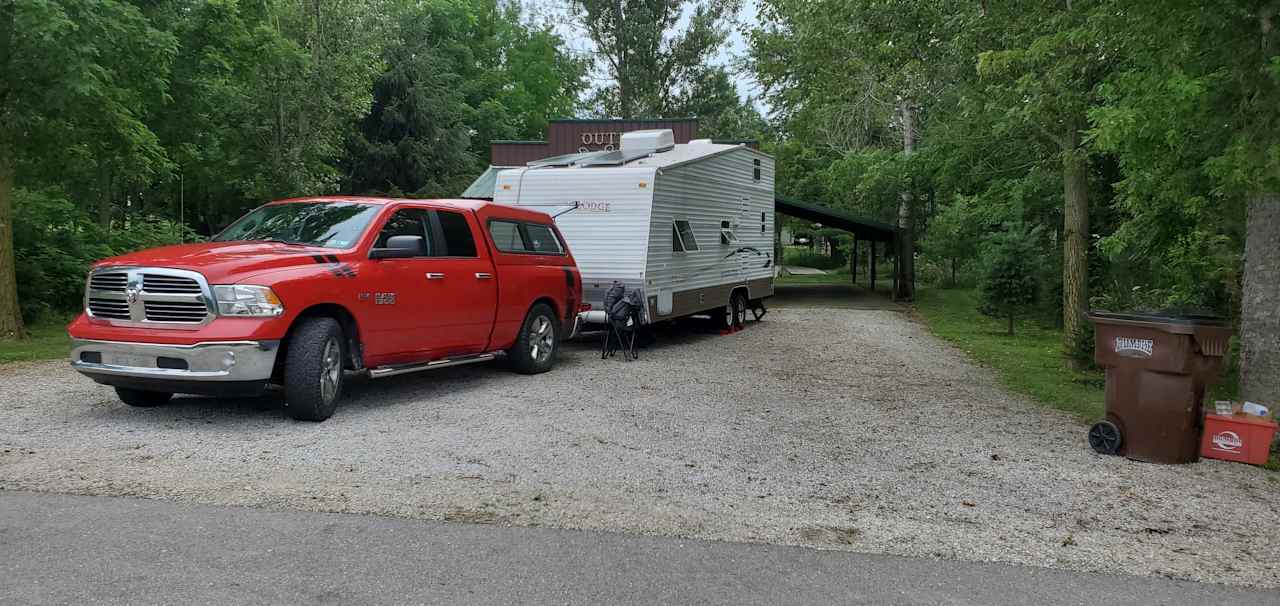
pixel 458 241
pixel 407 222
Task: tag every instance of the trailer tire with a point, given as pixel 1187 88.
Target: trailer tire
pixel 313 374
pixel 538 343
pixel 141 398
pixel 739 303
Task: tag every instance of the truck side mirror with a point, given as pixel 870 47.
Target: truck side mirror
pixel 401 247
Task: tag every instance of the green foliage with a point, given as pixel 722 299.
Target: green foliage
pixel 805 258
pixel 653 51
pixel 712 97
pixel 952 237
pixel 85 78
pixel 459 75
pixel 1010 280
pixel 56 241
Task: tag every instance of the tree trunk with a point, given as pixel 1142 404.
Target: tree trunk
pixel 1075 246
pixel 10 314
pixel 1260 303
pixel 905 284
pixel 953 272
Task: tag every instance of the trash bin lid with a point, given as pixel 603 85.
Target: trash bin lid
pixel 1160 318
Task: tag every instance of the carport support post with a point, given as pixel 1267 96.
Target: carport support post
pixel 853 259
pixel 897 266
pixel 873 264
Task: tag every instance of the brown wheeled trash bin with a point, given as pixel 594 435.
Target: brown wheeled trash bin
pixel 1157 370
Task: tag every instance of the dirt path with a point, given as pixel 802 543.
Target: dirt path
pixel 844 429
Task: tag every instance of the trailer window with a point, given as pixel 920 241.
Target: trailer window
pixel 756 173
pixel 682 237
pixel 726 233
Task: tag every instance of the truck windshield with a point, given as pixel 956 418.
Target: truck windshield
pixel 323 224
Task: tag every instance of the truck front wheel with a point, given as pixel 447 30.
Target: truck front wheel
pixel 538 343
pixel 313 369
pixel 141 398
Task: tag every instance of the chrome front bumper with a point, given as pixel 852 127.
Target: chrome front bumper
pixel 218 361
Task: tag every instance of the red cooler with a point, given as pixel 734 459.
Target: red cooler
pixel 1242 438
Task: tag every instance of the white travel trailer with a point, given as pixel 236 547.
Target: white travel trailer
pixel 690 225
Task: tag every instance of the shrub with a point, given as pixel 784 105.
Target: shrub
pixel 56 241
pixel 804 258
pixel 1010 280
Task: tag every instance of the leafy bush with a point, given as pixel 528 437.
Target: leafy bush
pixel 55 242
pixel 1010 280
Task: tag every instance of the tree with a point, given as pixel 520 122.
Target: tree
pixel 953 235
pixel 712 98
pixel 80 77
pixel 1044 72
pixel 10 314
pixel 416 139
pixel 1193 117
pixel 459 74
pixel 1009 277
pixel 647 53
pixel 860 74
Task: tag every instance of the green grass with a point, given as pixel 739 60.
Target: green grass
pixel 1030 362
pixel 46 341
pixel 818 279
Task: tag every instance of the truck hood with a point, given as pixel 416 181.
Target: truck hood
pixel 225 262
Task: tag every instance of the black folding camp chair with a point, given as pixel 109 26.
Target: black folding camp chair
pixel 622 323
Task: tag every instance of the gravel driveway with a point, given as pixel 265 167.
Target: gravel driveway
pixel 841 429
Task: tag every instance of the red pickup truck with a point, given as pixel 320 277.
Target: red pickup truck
pixel 300 292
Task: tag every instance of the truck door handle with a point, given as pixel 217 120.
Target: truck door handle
pixel 483 276
pixel 435 276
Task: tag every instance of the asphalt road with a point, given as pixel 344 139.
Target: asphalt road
pixel 58 549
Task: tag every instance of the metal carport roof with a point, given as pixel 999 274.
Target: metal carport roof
pixel 864 229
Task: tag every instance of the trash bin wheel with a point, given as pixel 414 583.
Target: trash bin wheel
pixel 1105 437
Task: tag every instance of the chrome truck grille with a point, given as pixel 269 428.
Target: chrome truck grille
pixel 145 296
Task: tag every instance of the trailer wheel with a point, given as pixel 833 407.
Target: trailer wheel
pixel 143 399
pixel 313 369
pixel 739 303
pixel 723 316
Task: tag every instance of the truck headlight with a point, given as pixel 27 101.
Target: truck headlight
pixel 246 300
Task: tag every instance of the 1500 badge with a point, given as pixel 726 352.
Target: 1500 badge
pixel 380 298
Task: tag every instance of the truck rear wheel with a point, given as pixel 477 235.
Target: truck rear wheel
pixel 313 369
pixel 141 398
pixel 538 342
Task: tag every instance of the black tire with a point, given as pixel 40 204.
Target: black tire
pixel 739 303
pixel 533 353
pixel 723 316
pixel 1105 438
pixel 143 399
pixel 311 387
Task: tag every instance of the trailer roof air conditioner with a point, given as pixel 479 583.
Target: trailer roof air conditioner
pixel 648 140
